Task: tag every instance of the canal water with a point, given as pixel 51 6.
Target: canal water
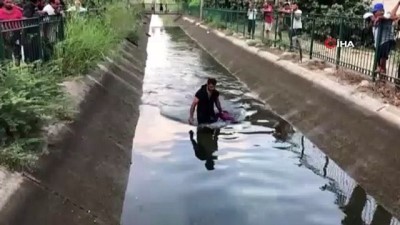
pixel 247 174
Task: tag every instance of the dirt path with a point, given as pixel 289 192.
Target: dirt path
pixel 83 180
pixel 364 145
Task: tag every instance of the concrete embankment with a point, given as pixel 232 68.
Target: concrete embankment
pixel 83 179
pixel 361 142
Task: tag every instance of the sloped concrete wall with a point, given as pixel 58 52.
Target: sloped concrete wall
pixel 83 180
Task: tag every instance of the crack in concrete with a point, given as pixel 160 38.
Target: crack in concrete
pixel 65 199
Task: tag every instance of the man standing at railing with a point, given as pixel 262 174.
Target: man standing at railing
pixel 251 18
pixel 383 34
pixel 52 8
pixel 12 38
pixel 283 17
pixel 31 35
pixel 50 27
pixel 296 26
pixel 268 10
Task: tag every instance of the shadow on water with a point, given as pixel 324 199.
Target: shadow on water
pixel 261 171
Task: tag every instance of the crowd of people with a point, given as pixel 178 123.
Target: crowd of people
pixel 380 23
pixel 20 28
pixel 288 19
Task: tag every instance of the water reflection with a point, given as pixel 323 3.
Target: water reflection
pixel 206 145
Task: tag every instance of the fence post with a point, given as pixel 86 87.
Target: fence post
pixel 312 37
pixel 291 31
pixel 377 43
pixel 2 54
pixel 40 38
pixel 263 29
pixel 276 28
pixel 61 28
pixel 201 10
pixel 226 18
pixel 338 49
pixel 244 25
pixel 237 21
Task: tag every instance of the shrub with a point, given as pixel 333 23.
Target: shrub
pixel 29 99
pixel 89 39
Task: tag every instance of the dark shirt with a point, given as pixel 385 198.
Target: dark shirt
pixel 205 107
pixel 30 10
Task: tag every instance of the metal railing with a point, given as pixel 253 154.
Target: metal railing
pixel 357 52
pixel 30 39
pixel 33 39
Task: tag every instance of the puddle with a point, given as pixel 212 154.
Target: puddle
pixel 244 174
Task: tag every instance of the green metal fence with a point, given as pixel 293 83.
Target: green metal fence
pixel 34 39
pixel 316 29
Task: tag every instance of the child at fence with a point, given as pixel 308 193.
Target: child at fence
pixel 383 34
pixel 268 17
pixel 251 16
pixel 296 26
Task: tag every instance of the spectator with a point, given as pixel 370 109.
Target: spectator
pixel 268 17
pixel 13 15
pixel 50 29
pixel 77 7
pixel 367 37
pixel 383 34
pixel 31 9
pixel 52 8
pixel 297 25
pixel 283 18
pixel 251 18
pixel 31 36
pixel 161 7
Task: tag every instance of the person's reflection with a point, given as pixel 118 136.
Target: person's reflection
pixel 206 145
pixel 381 216
pixel 354 208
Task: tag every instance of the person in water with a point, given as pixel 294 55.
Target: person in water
pixel 205 99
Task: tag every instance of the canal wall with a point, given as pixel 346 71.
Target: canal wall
pixel 84 178
pixel 361 140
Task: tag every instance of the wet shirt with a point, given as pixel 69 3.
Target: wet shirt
pixel 205 107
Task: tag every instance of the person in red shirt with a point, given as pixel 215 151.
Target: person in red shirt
pixel 11 19
pixel 268 10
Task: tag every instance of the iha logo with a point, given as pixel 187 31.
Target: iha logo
pixel 331 43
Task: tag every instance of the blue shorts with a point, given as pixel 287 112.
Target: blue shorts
pixel 385 48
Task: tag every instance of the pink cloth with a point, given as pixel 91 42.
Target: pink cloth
pixel 225 116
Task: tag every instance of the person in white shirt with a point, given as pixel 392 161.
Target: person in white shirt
pixel 77 7
pixel 251 16
pixel 297 25
pixel 53 8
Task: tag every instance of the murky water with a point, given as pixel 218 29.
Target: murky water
pixel 246 175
